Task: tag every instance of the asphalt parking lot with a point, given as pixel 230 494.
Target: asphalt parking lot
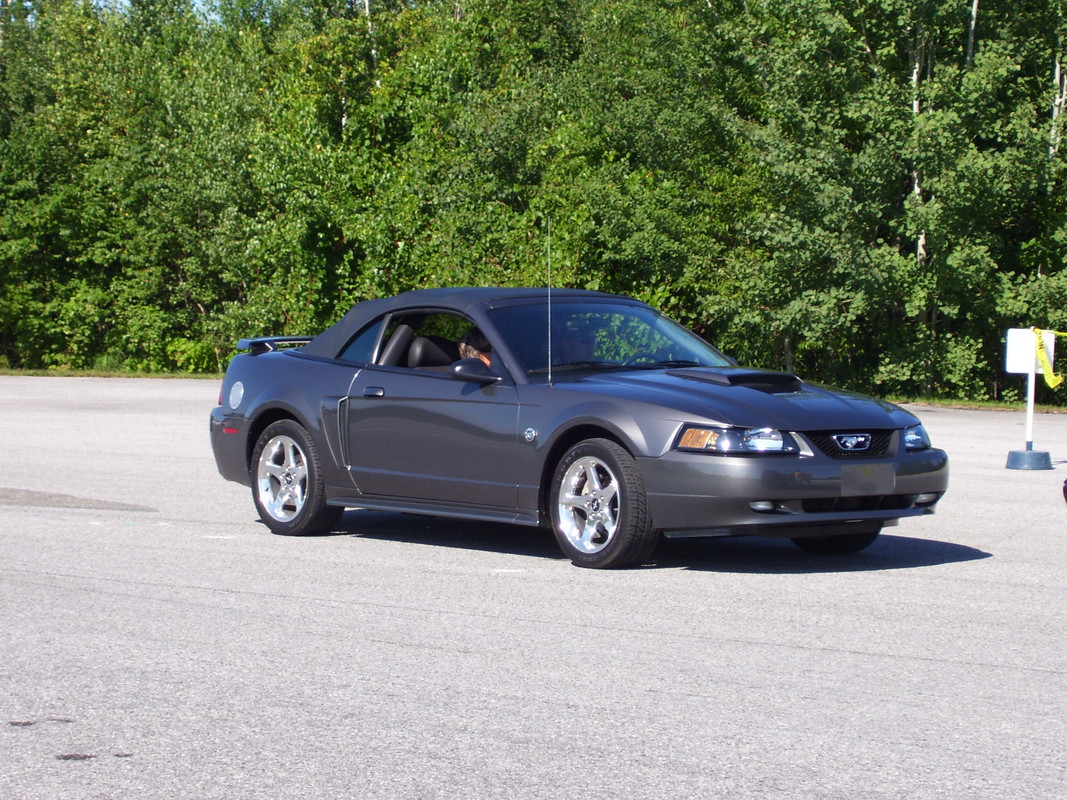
pixel 158 642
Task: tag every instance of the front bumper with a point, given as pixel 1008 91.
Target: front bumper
pixel 692 494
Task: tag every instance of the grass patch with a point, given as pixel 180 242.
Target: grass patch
pixel 107 373
pixel 976 405
pixel 934 402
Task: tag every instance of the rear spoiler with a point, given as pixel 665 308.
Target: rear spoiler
pixel 268 344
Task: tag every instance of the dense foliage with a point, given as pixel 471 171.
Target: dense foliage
pixel 866 191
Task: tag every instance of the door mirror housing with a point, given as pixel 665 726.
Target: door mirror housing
pixel 473 370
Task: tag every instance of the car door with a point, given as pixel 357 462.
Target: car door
pixel 425 436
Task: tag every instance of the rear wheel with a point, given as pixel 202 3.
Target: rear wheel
pixel 598 507
pixel 838 544
pixel 287 484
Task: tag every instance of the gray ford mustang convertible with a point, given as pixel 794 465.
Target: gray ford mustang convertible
pixel 590 413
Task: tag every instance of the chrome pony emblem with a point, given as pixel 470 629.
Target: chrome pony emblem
pixel 852 442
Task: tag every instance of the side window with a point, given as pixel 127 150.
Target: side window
pixel 360 349
pixel 443 326
pixel 424 340
pixel 434 342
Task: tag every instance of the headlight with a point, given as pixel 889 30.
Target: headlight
pixel 916 438
pixel 735 440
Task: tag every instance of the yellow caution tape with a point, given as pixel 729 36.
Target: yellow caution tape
pixel 1051 378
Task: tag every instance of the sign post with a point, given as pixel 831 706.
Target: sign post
pixel 1027 356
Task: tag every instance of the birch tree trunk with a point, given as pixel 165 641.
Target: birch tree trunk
pixel 928 316
pixel 370 33
pixel 916 110
pixel 1059 97
pixel 972 29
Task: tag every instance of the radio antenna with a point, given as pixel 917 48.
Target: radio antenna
pixel 550 301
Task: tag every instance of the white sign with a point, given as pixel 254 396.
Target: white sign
pixel 1022 351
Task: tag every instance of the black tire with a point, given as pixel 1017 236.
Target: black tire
pixel 837 545
pixel 287 485
pixel 598 507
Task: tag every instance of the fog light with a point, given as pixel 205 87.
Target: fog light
pixel 763 506
pixel 926 498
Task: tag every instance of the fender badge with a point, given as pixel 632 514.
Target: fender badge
pixel 529 435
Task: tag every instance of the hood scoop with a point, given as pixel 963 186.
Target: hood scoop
pixel 760 380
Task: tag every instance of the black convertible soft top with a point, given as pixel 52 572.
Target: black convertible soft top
pixel 332 340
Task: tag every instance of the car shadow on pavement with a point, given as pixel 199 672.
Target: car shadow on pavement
pixel 781 557
pixel 749 554
pixel 494 537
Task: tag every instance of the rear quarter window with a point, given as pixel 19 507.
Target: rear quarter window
pixel 360 349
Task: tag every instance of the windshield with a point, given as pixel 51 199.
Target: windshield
pixel 591 335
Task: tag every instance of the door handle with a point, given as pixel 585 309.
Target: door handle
pixel 374 391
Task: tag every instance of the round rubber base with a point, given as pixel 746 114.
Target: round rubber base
pixel 1029 459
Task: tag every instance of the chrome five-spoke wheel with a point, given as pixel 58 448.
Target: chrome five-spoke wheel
pixel 287 483
pixel 598 506
pixel 588 506
pixel 281 478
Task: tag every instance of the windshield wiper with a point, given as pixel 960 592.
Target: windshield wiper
pixel 578 365
pixel 670 362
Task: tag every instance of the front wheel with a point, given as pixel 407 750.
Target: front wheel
pixel 598 507
pixel 287 482
pixel 838 544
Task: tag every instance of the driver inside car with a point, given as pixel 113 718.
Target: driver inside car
pixel 473 344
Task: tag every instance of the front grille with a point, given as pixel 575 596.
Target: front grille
pixel 824 440
pixel 825 505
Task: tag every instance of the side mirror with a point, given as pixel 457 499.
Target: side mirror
pixel 473 370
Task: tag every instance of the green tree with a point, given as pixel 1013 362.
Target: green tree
pixel 865 191
pixel 898 156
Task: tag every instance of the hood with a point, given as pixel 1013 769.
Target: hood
pixel 747 398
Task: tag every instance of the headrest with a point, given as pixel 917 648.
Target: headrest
pixel 432 351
